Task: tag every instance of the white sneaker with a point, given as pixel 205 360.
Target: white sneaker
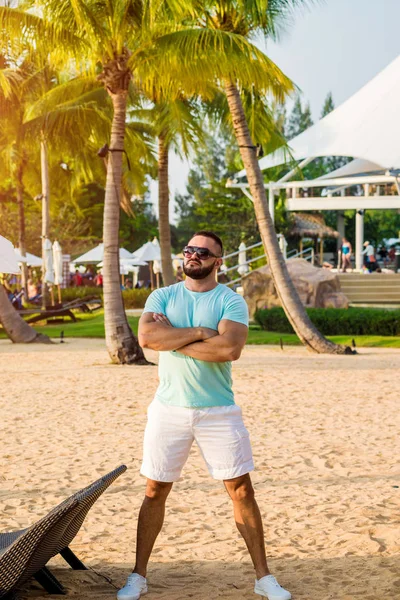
pixel 135 586
pixel 269 588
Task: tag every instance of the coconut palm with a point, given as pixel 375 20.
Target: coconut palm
pixel 177 125
pixel 140 43
pixel 249 18
pixel 15 327
pixel 37 110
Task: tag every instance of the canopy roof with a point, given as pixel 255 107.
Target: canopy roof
pixel 358 166
pixel 366 126
pixel 8 260
pixel 30 259
pixel 96 255
pixel 150 251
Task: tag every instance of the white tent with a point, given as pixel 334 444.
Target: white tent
pixel 30 259
pixel 148 252
pixel 96 255
pixel 8 261
pixel 366 126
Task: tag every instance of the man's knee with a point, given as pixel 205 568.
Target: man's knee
pixel 157 491
pixel 240 489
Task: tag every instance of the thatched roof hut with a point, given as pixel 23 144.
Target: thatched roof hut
pixel 311 225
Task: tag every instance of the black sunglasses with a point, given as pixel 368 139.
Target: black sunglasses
pixel 202 253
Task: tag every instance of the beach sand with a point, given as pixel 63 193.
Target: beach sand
pixel 325 435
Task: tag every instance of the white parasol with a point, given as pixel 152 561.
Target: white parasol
pixel 8 260
pixel 58 263
pixel 243 267
pixel 48 262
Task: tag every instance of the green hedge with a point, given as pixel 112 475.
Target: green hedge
pixel 135 298
pixel 336 321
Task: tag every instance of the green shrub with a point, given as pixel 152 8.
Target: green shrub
pixel 135 298
pixel 336 321
pixel 72 293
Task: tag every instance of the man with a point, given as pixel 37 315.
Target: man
pixel 369 253
pixel 78 279
pixel 199 327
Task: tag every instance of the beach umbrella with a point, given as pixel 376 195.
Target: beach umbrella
pixel 58 263
pixel 48 261
pixel 30 259
pixel 58 267
pixel 96 255
pixel 8 260
pixel 127 265
pixel 148 252
pixel 243 267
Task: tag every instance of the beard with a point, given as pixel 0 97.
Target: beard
pixel 196 270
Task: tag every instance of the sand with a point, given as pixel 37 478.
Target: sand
pixel 325 435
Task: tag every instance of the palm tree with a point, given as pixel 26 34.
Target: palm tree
pixel 140 43
pixel 40 107
pixel 247 18
pixel 15 327
pixel 12 144
pixel 177 125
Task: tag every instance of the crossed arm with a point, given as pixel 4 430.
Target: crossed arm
pixel 226 344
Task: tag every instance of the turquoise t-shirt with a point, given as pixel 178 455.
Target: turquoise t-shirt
pixel 187 381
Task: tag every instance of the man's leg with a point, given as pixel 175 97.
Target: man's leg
pixel 248 520
pixel 151 518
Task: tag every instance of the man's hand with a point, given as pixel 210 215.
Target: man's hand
pixel 158 333
pixel 206 331
pixel 160 318
pixel 226 346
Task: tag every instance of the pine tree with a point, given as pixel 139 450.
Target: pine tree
pixel 299 119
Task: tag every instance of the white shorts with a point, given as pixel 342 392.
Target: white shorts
pixel 219 432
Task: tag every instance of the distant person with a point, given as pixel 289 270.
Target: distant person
pixel 369 254
pixel 383 253
pixel 98 280
pixel 128 284
pixel 392 254
pixel 346 254
pixel 78 279
pixel 179 274
pixel 32 289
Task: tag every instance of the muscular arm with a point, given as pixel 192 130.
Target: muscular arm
pixel 158 334
pixel 225 346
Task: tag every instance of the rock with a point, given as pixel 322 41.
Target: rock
pixel 319 288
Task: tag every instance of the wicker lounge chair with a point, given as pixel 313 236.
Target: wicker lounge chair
pixel 24 554
pixel 77 507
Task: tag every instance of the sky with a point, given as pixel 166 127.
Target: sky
pixel 336 46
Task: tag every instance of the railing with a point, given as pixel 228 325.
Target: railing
pixel 307 254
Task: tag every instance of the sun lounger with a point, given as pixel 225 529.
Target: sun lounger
pixel 72 514
pixel 24 554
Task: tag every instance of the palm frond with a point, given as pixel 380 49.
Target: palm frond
pixel 200 55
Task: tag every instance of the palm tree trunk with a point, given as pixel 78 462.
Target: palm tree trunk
pixel 15 327
pixel 295 312
pixel 44 164
pixel 122 345
pixel 163 212
pixel 21 229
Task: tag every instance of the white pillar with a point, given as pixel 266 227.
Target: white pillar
pixel 359 238
pixel 340 228
pixel 271 203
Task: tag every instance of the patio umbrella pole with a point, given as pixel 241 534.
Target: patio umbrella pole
pixel 151 275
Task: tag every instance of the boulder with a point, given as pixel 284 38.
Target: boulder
pixel 319 288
